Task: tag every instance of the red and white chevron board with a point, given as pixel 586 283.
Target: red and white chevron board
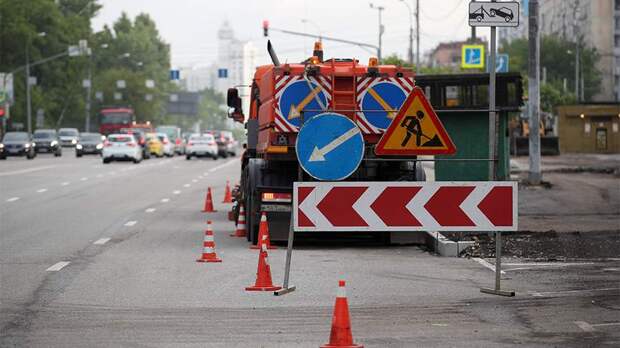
pixel 405 206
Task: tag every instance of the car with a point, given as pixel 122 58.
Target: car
pixel 174 134
pixel 503 12
pixel 200 146
pixel 121 147
pixel 89 143
pixel 154 145
pixel 169 150
pixel 46 140
pixel 231 143
pixel 68 136
pixel 17 144
pixel 140 136
pixel 222 143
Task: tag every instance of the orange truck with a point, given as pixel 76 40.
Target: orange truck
pixel 282 97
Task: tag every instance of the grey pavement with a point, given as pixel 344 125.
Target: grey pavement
pixel 143 288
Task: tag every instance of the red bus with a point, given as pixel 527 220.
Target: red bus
pixel 112 119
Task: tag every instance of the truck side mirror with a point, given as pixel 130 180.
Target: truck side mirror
pixel 232 98
pixel 234 102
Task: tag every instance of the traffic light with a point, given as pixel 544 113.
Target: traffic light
pixel 265 28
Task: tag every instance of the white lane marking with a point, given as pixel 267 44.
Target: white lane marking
pixel 24 171
pixel 486 264
pixel 84 179
pixel 42 190
pixel 101 241
pixel 194 180
pixel 199 176
pixel 584 326
pixel 561 292
pixel 58 266
pixel 150 210
pixel 112 173
pixel 187 185
pixel 548 265
pixel 221 166
pixel 205 174
pixel 176 192
pixel 12 199
pixel 99 176
pixel 131 223
pixel 66 183
pixel 165 200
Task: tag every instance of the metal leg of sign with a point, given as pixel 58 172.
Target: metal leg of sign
pixel 287 269
pixel 498 271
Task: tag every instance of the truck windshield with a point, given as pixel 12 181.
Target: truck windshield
pixel 115 118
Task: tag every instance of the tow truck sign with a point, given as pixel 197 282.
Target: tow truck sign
pixel 494 14
pixel 405 206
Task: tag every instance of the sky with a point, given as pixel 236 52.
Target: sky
pixel 190 26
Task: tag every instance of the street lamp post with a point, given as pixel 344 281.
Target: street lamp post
pixel 28 97
pixel 379 10
pixel 410 53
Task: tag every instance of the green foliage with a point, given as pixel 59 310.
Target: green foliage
pixel 394 59
pixel 59 91
pixel 211 112
pixel 557 56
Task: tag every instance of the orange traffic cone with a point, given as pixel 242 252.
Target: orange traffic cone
pixel 263 274
pixel 240 232
pixel 208 252
pixel 227 194
pixel 208 203
pixel 263 234
pixel 340 335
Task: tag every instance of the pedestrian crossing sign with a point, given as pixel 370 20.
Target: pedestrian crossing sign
pixel 472 56
pixel 416 130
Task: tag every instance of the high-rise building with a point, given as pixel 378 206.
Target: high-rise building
pixel 234 67
pixel 507 34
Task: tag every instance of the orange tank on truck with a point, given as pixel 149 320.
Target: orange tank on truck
pixel 283 96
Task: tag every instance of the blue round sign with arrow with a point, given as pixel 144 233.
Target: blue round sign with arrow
pixel 300 96
pixel 329 146
pixel 381 103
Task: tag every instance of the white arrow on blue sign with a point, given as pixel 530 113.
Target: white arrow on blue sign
pixel 502 61
pixel 329 146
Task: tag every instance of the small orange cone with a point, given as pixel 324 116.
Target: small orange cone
pixel 263 234
pixel 263 274
pixel 208 203
pixel 340 335
pixel 227 193
pixel 208 252
pixel 240 232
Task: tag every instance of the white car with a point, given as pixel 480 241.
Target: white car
pixel 121 147
pixel 201 145
pixel 168 145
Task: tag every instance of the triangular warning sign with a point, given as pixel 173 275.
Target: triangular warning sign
pixel 416 130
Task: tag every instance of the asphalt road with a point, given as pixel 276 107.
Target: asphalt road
pixel 95 255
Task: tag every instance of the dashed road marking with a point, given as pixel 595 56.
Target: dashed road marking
pixel 66 183
pixel 84 179
pixel 486 264
pixel 194 180
pixel 187 185
pixel 131 223
pixel 165 200
pixel 12 199
pixel 58 266
pixel 176 192
pixel 99 176
pixel 42 190
pixel 569 292
pixel 101 241
pixel 150 210
pixel 587 327
pixel 24 171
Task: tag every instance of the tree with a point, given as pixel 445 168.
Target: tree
pixel 557 57
pixel 394 59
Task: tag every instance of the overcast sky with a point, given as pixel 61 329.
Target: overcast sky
pixel 190 26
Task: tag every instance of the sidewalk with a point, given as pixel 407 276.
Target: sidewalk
pixel 597 163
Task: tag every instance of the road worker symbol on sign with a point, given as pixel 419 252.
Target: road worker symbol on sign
pixel 416 130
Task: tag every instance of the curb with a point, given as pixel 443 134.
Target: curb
pixel 445 247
